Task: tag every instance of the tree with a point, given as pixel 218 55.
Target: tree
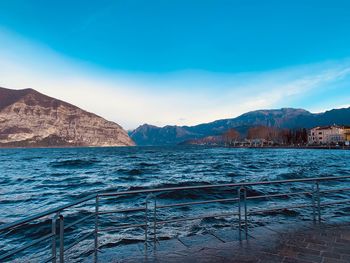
pixel 269 134
pixel 263 133
pixel 231 136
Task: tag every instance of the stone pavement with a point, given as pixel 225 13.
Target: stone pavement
pixel 304 243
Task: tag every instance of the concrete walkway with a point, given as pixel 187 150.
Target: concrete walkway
pixel 304 243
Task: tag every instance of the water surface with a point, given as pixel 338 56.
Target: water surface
pixel 34 180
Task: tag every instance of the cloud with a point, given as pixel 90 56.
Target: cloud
pixel 182 98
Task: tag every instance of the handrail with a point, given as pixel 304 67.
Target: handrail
pixel 33 243
pixel 155 190
pixel 128 210
pixel 76 242
pixel 78 221
pixel 315 194
pixel 174 220
pixel 45 213
pixel 198 202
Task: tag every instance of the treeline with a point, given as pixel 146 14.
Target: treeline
pixel 272 134
pixel 258 135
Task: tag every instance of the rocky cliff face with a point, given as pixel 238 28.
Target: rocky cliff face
pixel 31 119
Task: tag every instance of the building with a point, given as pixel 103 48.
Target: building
pixel 347 135
pixel 328 135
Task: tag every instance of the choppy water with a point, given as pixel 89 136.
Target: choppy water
pixel 34 180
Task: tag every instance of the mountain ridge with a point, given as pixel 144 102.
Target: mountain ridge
pixel 289 118
pixel 29 118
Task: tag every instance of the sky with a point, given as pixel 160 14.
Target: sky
pixel 178 62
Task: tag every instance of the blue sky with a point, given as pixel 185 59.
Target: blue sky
pixel 179 62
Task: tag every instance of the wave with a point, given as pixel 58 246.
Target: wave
pixel 285 211
pixel 131 171
pixel 214 220
pixel 124 241
pixel 200 194
pixel 291 175
pixel 30 158
pixel 33 230
pixel 132 157
pixel 144 164
pixel 76 163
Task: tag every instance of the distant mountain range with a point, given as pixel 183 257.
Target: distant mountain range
pixel 279 118
pixel 31 119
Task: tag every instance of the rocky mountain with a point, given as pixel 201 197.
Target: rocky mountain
pixel 31 119
pixel 279 118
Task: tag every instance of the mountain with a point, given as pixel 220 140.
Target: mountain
pixel 168 135
pixel 31 119
pixel 279 118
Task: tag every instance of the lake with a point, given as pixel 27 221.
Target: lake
pixel 34 180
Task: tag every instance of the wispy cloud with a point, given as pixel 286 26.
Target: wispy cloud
pixel 183 98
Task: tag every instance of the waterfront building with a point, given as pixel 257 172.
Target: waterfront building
pixel 347 135
pixel 328 135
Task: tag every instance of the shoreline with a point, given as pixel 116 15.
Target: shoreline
pixel 193 145
pixel 296 147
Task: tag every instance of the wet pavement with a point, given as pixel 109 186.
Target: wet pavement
pixel 302 243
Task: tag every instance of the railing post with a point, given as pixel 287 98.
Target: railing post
pixel 155 221
pixel 96 229
pixel 53 231
pixel 242 188
pixel 61 239
pixel 318 201
pixel 314 202
pixel 239 214
pixel 245 212
pixel 146 223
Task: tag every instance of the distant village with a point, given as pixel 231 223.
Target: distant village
pixel 331 136
pixel 263 136
pixel 328 135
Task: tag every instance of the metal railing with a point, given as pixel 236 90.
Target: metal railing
pixel 59 250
